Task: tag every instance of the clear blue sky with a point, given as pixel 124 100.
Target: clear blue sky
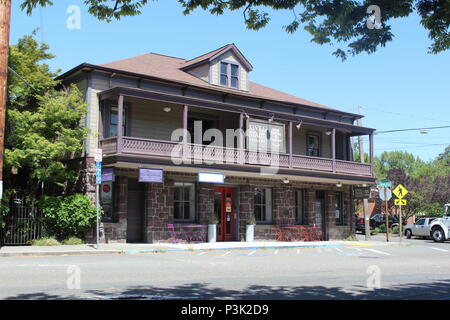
pixel 400 86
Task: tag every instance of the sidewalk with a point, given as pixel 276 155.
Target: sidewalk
pixel 127 248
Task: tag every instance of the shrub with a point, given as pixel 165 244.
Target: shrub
pixel 73 241
pixel 375 231
pixel 45 242
pixel 395 230
pixel 70 216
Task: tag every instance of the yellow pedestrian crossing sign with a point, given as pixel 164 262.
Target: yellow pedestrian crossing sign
pixel 400 191
pixel 400 202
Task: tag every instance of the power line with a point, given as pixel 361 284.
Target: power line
pixel 412 129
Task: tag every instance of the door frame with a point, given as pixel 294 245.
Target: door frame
pixel 223 236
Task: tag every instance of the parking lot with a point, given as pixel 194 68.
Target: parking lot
pixel 417 269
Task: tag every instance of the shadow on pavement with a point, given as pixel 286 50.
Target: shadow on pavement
pixel 433 290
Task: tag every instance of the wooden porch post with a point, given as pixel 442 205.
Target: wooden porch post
pixel 333 148
pixel 185 130
pixel 119 124
pixel 371 153
pixel 290 144
pixel 241 139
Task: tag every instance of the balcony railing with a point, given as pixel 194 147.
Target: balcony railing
pixel 211 154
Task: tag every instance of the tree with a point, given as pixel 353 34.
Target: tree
pixel 43 123
pixel 327 21
pixel 396 160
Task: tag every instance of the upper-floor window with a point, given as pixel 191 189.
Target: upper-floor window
pixel 229 75
pixel 113 120
pixel 313 145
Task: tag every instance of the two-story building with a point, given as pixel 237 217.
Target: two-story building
pixel 185 139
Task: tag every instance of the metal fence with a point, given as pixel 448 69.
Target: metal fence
pixel 23 223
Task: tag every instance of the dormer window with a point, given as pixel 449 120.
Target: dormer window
pixel 229 75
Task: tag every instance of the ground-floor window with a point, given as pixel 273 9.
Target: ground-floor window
pixel 300 207
pixel 184 201
pixel 263 205
pixel 339 209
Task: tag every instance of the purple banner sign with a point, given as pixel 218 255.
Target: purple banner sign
pixel 151 175
pixel 108 174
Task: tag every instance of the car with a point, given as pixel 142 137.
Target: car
pixel 379 219
pixel 359 224
pixel 421 228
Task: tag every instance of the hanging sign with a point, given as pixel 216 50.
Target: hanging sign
pixel 151 175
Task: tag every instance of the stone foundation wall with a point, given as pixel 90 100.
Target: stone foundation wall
pixel 158 210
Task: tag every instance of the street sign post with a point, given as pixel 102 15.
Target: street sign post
pixel 98 181
pixel 385 194
pixel 400 192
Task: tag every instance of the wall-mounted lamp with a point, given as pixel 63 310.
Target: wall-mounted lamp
pixel 167 109
pixel 285 180
pixel 328 132
pixel 339 184
pixel 299 125
pixel 271 119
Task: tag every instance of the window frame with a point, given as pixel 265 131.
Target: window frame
pixel 267 205
pixel 319 142
pixel 192 201
pixel 339 195
pixel 107 119
pixel 229 75
pixel 300 219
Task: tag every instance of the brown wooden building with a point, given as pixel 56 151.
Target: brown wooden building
pixel 155 118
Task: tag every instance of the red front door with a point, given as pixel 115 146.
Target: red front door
pixel 224 210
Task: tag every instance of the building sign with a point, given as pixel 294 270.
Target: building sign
pixel 361 193
pixel 151 175
pixel 108 174
pixel 265 136
pixel 211 177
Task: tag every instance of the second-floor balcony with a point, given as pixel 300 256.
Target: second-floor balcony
pixel 203 154
pixel 148 126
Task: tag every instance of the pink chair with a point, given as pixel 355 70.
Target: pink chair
pixel 174 236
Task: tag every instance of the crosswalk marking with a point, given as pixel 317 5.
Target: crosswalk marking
pixel 378 251
pixel 201 253
pixel 438 249
pixel 338 249
pixel 226 253
pixel 252 252
pixel 276 252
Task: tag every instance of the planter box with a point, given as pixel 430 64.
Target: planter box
pixel 249 233
pixel 212 232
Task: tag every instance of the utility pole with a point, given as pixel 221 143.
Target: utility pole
pixel 5 17
pixel 365 201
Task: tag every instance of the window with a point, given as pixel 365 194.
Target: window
pixel 420 222
pixel 184 201
pixel 339 206
pixel 313 145
pixel 263 205
pixel 113 120
pixel 300 207
pixel 229 75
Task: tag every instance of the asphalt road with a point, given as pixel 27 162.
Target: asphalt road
pixel 419 270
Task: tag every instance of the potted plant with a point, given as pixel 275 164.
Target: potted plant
pixel 250 228
pixel 212 227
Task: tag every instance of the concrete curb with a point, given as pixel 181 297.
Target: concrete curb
pixel 160 250
pixel 192 248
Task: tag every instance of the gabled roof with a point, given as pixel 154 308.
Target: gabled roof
pixel 169 68
pixel 216 53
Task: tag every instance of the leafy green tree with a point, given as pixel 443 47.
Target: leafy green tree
pixel 44 126
pixel 396 160
pixel 327 21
